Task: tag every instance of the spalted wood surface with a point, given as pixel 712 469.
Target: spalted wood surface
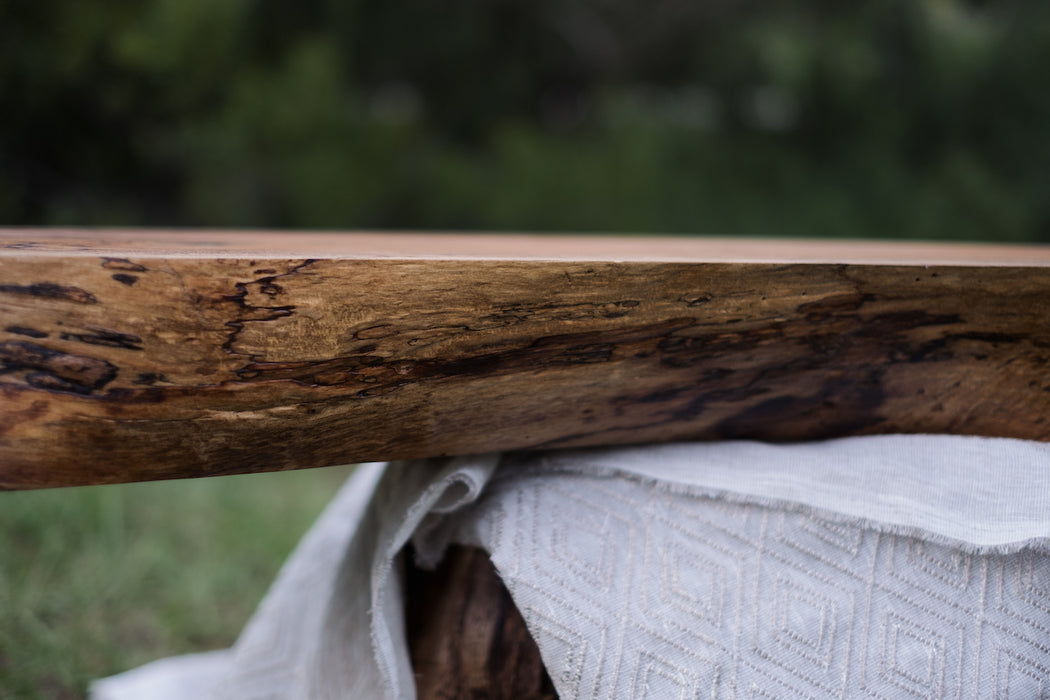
pixel 467 639
pixel 133 355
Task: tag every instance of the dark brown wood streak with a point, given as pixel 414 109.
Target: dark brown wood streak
pixel 467 639
pixel 222 358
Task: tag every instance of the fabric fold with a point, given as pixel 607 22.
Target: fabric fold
pixel 332 624
pixel 892 566
pixel 980 494
pixel 634 590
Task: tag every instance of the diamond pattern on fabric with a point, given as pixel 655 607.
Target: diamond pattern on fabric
pixel 670 595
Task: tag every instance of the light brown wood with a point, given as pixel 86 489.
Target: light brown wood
pixel 136 355
pixel 122 243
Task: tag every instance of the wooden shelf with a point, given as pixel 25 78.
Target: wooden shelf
pixel 132 355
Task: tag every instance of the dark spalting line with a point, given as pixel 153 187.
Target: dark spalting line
pixel 116 398
pixel 122 264
pixel 237 326
pixel 51 382
pixel 30 332
pixel 822 403
pixel 268 287
pixel 842 407
pixel 106 337
pixel 825 338
pixel 694 300
pixel 382 376
pixel 149 378
pixel 838 404
pixel 56 371
pixel 940 348
pixel 50 290
pixel 24 245
pixel 510 314
pixel 128 280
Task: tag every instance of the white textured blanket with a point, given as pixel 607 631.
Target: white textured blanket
pixel 897 566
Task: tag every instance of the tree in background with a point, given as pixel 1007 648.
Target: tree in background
pixel 926 119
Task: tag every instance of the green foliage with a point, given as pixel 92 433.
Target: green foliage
pixel 926 119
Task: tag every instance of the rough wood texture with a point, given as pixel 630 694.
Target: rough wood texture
pixel 131 356
pixel 467 639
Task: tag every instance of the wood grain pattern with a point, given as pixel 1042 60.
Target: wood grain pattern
pixel 127 356
pixel 466 637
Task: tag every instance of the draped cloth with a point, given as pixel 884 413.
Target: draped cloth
pixel 886 567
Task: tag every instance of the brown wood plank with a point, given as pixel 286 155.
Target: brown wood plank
pixel 147 355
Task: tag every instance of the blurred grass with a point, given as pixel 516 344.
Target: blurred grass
pixel 94 581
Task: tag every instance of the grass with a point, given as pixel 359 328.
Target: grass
pixel 94 581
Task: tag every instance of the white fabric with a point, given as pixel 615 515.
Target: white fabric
pixel 875 567
pixel 978 493
pixel 635 592
pixel 175 678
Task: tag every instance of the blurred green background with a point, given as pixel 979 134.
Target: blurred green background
pixel 898 118
pixel 95 581
pixel 892 119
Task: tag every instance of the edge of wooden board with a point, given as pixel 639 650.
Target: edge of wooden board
pixel 191 243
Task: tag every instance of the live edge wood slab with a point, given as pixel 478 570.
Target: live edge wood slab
pixel 132 355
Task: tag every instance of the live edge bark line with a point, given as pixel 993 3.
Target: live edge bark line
pixel 121 369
